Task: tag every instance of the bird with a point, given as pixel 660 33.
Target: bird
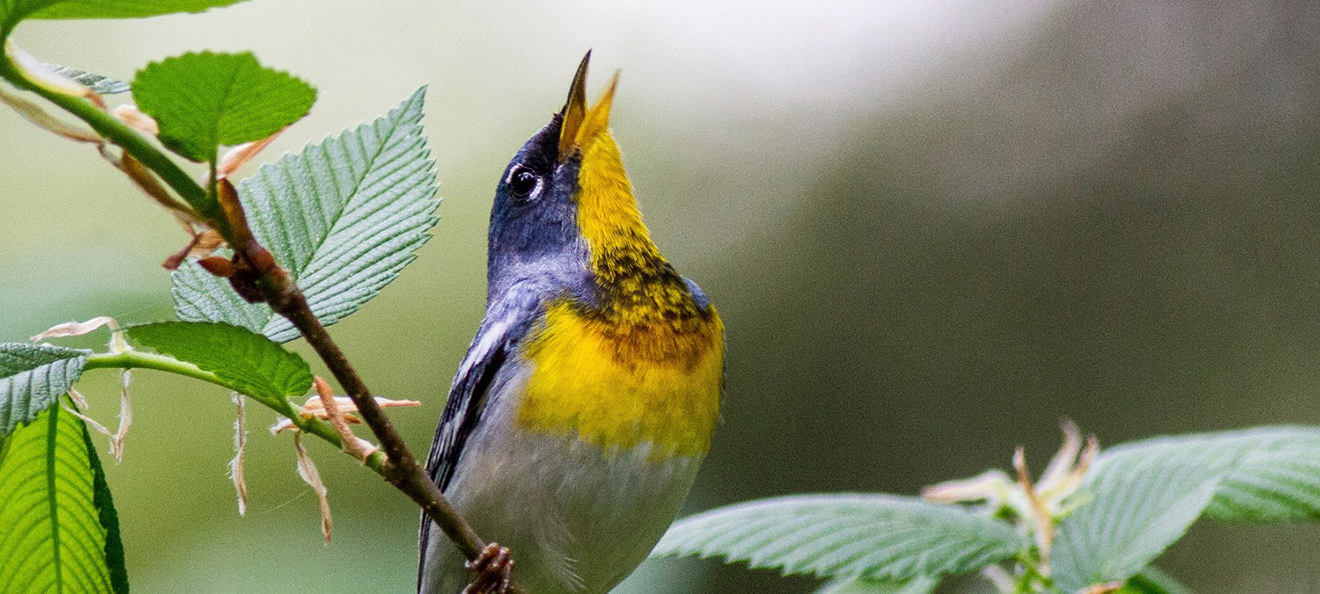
pixel 588 398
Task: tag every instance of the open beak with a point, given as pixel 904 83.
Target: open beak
pixel 580 124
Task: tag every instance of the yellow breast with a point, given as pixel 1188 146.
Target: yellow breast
pixel 622 385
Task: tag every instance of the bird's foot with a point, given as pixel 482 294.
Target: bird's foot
pixel 493 569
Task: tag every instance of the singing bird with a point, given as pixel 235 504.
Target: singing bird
pixel 586 402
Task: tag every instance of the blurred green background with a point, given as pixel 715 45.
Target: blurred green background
pixel 933 228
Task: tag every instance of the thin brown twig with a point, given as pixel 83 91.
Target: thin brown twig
pixel 258 277
pixel 401 469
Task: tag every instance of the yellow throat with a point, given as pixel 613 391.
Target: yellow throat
pixel 646 365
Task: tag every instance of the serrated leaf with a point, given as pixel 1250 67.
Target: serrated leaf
pixel 32 377
pixel 106 514
pixel 12 11
pixel 204 100
pixel 846 535
pixel 917 585
pixel 343 216
pixel 1277 479
pixel 254 364
pixel 1146 495
pixel 103 85
pixel 62 533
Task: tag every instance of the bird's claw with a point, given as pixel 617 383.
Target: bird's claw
pixel 494 569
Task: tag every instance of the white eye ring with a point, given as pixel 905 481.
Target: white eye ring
pixel 523 183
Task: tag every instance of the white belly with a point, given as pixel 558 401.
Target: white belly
pixel 578 519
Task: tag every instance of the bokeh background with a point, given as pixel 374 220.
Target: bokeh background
pixel 934 228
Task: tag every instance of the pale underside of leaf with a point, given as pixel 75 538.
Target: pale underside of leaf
pixel 55 538
pixel 871 536
pixel 343 216
pixel 1277 479
pixel 1145 497
pixel 917 585
pixel 103 85
pixel 32 377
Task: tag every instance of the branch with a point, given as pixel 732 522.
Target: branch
pixel 141 360
pixel 401 468
pixel 120 134
pixel 258 277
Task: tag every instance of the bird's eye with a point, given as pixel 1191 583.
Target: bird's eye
pixel 523 182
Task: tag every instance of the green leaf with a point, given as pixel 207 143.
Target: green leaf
pixel 917 585
pixel 253 363
pixel 846 535
pixel 1146 495
pixel 13 11
pixel 97 83
pixel 1153 581
pixel 204 100
pixel 343 216
pixel 62 533
pixel 108 516
pixel 1266 474
pixel 1277 479
pixel 32 377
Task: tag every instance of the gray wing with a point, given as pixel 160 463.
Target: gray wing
pixel 469 395
pixel 467 400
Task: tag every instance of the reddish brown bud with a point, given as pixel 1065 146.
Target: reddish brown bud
pixel 221 267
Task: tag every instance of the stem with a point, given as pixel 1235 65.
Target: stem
pixel 140 360
pixel 401 469
pixel 1031 577
pixel 393 461
pixel 120 134
pixel 211 183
